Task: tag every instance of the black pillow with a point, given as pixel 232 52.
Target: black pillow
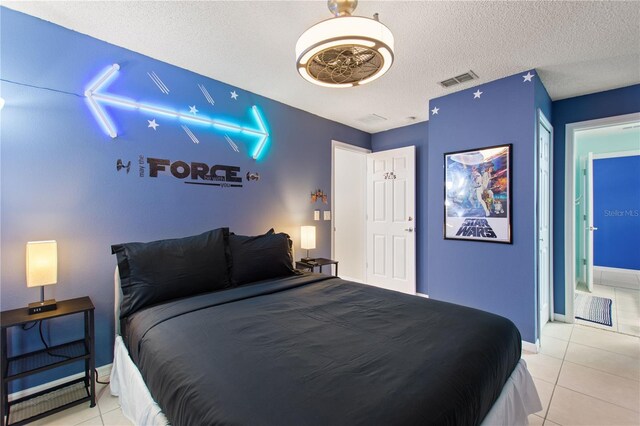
pixel 260 257
pixel 162 270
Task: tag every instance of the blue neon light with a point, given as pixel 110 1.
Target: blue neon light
pixel 95 98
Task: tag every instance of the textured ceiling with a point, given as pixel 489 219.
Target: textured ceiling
pixel 577 47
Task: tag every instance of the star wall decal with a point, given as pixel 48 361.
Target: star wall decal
pixel 153 124
pixel 234 95
pixel 193 110
pixel 528 76
pixel 435 110
pixel 477 93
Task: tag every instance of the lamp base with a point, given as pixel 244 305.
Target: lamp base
pixel 307 259
pixel 38 307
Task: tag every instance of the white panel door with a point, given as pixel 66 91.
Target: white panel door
pixel 589 228
pixel 544 235
pixel 391 237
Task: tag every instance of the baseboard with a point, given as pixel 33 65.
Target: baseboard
pixel 619 270
pixel 355 280
pixel 531 347
pixel 632 282
pixel 422 295
pixel 559 317
pixel 103 371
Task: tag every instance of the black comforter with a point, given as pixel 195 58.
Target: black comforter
pixel 318 350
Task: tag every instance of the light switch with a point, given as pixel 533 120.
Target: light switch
pixel 316 215
pixel 327 215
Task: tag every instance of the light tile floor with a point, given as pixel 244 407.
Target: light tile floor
pixel 106 412
pixel 586 376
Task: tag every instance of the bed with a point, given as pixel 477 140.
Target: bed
pixel 311 349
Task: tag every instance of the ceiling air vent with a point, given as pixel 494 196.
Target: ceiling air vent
pixel 372 118
pixel 462 78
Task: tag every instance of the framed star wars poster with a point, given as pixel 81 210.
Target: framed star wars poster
pixel 477 194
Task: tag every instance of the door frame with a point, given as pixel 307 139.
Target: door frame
pixel 544 121
pixel 337 145
pixel 569 201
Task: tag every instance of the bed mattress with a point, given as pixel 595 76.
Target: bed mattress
pixel 318 350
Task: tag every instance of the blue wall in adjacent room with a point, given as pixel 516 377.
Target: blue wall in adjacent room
pixel 416 135
pixel 616 212
pixel 611 103
pixel 498 278
pixel 59 176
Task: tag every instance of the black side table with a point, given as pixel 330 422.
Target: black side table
pixel 44 403
pixel 319 262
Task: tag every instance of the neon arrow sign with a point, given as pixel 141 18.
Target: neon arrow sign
pixel 94 97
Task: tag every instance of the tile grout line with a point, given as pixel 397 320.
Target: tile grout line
pixel 564 356
pixel 553 391
pixel 604 349
pixel 573 390
pixel 599 399
pixel 601 371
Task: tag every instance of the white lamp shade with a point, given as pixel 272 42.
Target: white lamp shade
pixel 42 263
pixel 307 237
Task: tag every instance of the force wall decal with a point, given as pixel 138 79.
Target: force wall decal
pixel 194 172
pixel 95 97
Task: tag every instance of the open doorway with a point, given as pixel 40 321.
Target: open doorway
pixel 603 263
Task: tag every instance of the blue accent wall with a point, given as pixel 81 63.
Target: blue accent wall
pixel 542 100
pixel 616 212
pixel 59 176
pixel 498 278
pixel 621 101
pixel 474 274
pixel 416 135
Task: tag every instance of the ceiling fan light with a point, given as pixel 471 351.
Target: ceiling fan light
pixel 345 50
pixel 388 60
pixel 303 72
pixel 313 51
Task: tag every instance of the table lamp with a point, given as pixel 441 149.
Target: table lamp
pixel 42 269
pixel 307 240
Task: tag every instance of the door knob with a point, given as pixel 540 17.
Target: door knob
pixel 409 229
pixel 592 228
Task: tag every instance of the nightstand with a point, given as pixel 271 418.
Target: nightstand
pixel 56 398
pixel 319 262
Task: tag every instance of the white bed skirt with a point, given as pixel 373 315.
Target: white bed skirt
pixel 518 399
pixel 127 384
